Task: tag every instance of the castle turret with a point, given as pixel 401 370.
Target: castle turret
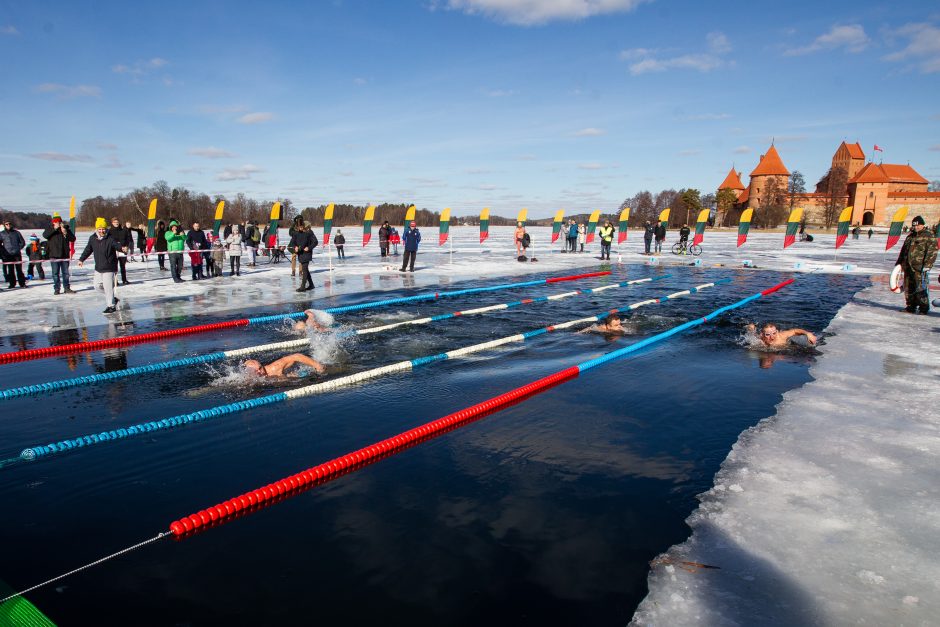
pixel 770 168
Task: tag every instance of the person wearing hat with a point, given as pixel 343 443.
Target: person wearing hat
pixel 105 249
pixel 35 252
pixel 11 251
pixel 302 244
pixel 606 234
pixel 917 257
pixel 412 238
pixel 252 239
pixel 174 247
pixel 59 241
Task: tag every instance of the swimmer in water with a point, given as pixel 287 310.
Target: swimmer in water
pixel 775 338
pixel 610 326
pixel 279 367
pixel 310 322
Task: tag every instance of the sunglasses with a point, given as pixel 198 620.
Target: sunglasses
pixel 769 333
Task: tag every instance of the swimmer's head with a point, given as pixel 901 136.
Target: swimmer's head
pixel 768 333
pixel 612 322
pixel 254 367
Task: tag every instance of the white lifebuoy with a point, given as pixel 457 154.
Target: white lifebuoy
pixel 896 281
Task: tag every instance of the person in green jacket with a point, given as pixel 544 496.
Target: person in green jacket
pixel 918 254
pixel 174 246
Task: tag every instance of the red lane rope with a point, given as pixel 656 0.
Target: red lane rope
pixel 272 493
pixel 95 345
pixel 776 287
pixel 575 277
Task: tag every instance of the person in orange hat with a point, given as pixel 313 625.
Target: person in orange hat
pixel 412 238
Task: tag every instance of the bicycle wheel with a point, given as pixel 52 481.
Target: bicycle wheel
pixel 677 248
pixel 695 250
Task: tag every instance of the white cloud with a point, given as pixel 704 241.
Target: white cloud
pixel 536 12
pixel 850 37
pixel 241 173
pixel 58 156
pixel 499 93
pixel 590 132
pixel 9 30
pixel 923 46
pixel 742 150
pixel 211 152
pixel 66 92
pixel 717 43
pixel 256 118
pixel 140 68
pixel 590 166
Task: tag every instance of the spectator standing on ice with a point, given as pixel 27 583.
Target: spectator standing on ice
pixel 141 241
pixel 217 257
pixel 11 247
pixel 660 232
pixel 394 239
pixel 159 244
pixel 572 236
pixel 252 239
pixel 917 257
pixel 298 220
pixel 35 252
pixel 385 232
pixel 59 240
pixel 125 242
pixel 870 232
pixel 412 239
pixel 648 232
pixel 607 238
pixel 105 250
pixel 517 236
pixel 196 241
pixel 175 241
pixel 582 237
pixel 340 242
pixel 303 242
pixel 233 244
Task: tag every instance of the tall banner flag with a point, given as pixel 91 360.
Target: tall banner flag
pixel 744 226
pixel 409 215
pixel 793 225
pixel 445 226
pixel 327 224
pixel 272 227
pixel 842 228
pixel 367 224
pixel 592 226
pixel 484 224
pixel 664 217
pixel 523 214
pixel 152 224
pixel 556 224
pixel 622 225
pixel 219 211
pixel 897 225
pixel 700 223
pixel 72 225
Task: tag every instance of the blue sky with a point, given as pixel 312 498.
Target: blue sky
pixel 572 104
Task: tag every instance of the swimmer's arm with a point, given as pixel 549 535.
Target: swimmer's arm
pixel 793 332
pixel 290 360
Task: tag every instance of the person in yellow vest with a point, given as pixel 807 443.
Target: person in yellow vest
pixel 606 234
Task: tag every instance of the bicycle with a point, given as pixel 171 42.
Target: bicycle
pixel 682 247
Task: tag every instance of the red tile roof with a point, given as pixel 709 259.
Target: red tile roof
pixel 887 173
pixel 855 150
pixel 771 164
pixel 743 196
pixel 732 181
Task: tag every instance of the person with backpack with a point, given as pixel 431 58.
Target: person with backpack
pixel 412 239
pixel 303 242
pixel 340 242
pixel 252 239
pixel 59 242
pixel 35 252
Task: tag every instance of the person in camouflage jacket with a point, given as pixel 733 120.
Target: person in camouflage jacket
pixel 917 257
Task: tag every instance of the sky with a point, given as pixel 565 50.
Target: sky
pixel 544 104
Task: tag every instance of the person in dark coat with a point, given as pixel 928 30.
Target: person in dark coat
pixel 917 256
pixel 141 241
pixel 60 240
pixel 196 240
pixel 340 242
pixel 648 232
pixel 411 238
pixel 385 231
pixel 11 247
pixel 105 249
pixel 302 243
pixel 159 244
pixel 125 242
pixel 660 231
pixel 35 252
pixel 298 220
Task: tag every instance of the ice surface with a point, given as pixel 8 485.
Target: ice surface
pixel 829 512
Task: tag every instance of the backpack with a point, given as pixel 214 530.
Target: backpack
pixel 526 240
pixel 255 235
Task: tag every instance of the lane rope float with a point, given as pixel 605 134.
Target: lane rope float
pixel 82 441
pixel 129 340
pixel 183 362
pixel 295 484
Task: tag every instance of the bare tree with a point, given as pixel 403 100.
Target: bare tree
pixel 795 186
pixel 835 186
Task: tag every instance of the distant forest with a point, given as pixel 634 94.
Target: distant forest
pixel 188 206
pixel 25 219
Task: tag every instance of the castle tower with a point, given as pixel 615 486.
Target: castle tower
pixel 849 157
pixel 770 167
pixel 733 183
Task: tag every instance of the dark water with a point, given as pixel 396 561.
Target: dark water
pixel 547 512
